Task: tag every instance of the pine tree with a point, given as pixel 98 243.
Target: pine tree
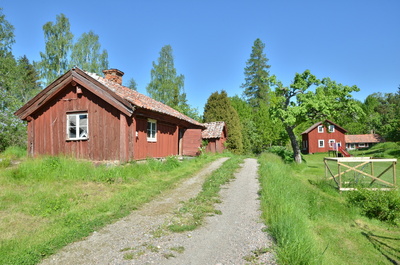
pixel 87 56
pixel 256 86
pixel 219 108
pixel 58 39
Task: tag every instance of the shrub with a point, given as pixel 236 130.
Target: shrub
pixel 381 205
pixel 283 152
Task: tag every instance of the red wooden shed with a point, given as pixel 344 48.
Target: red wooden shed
pixel 215 135
pixel 322 137
pixel 92 117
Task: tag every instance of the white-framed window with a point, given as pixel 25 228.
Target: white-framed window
pixel 362 145
pixel 320 128
pixel 77 126
pixel 331 128
pixel 332 143
pixel 151 130
pixel 321 143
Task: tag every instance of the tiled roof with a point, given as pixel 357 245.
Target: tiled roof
pixel 363 138
pixel 141 100
pixel 213 130
pixel 319 123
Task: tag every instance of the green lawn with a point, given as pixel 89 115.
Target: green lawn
pixel 313 222
pixel 49 202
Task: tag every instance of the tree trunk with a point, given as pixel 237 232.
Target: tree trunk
pixel 295 144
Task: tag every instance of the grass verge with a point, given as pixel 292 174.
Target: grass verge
pixel 192 212
pixel 314 224
pixel 52 201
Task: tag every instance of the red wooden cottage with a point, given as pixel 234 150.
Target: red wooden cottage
pixel 91 117
pixel 322 137
pixel 215 135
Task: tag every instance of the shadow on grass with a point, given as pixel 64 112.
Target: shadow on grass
pixel 395 153
pixel 387 246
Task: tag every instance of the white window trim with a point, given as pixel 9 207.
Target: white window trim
pixel 78 137
pixel 319 143
pixel 362 145
pixel 331 142
pixel 331 128
pixel 321 129
pixel 152 139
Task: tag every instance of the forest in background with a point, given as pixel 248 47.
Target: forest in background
pixel 268 113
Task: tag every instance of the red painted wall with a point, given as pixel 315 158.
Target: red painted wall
pixel 313 136
pixel 191 142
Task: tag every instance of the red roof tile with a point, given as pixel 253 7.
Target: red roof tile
pixel 213 130
pixel 141 100
pixel 363 138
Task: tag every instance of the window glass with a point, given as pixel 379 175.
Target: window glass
pixel 77 126
pixel 151 130
pixel 320 128
pixel 321 143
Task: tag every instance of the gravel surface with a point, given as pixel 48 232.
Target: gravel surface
pixel 234 237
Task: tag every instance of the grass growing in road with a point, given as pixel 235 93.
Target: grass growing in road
pixel 314 224
pixel 49 202
pixel 192 212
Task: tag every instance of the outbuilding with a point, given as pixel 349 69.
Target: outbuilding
pixel 215 136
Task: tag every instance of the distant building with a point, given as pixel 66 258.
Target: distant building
pixel 362 141
pixel 215 135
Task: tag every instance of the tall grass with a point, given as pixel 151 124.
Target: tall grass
pixel 313 222
pixel 49 202
pixel 285 207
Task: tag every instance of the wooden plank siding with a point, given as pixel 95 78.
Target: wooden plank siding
pixel 105 124
pixel 191 142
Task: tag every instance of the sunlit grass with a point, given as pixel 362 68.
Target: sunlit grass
pixel 51 201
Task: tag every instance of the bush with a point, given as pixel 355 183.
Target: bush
pixel 283 152
pixel 381 205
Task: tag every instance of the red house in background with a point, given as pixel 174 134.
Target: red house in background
pixel 215 133
pixel 92 117
pixel 322 137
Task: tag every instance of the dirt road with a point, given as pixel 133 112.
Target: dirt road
pixel 234 237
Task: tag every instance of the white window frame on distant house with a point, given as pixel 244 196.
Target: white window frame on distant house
pixel 320 128
pixel 331 128
pixel 331 143
pixel 362 145
pixel 77 126
pixel 151 130
pixel 321 143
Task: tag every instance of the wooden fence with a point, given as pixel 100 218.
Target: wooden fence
pixel 366 172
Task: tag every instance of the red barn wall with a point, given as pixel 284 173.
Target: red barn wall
pixel 166 144
pixel 314 136
pixel 47 131
pixel 191 142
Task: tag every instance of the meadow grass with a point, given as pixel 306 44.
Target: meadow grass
pixel 48 202
pixel 313 223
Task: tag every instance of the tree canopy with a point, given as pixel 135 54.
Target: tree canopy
pixel 297 103
pixel 219 108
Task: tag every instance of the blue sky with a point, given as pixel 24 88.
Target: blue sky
pixel 352 42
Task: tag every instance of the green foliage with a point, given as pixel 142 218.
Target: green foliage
pixel 132 84
pixel 297 103
pixel 58 40
pixel 87 56
pixel 256 86
pixel 382 205
pixel 6 34
pixel 283 152
pixel 219 108
pixel 168 87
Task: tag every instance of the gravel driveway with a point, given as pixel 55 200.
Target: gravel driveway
pixel 234 237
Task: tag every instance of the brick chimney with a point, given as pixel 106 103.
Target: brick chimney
pixel 114 75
